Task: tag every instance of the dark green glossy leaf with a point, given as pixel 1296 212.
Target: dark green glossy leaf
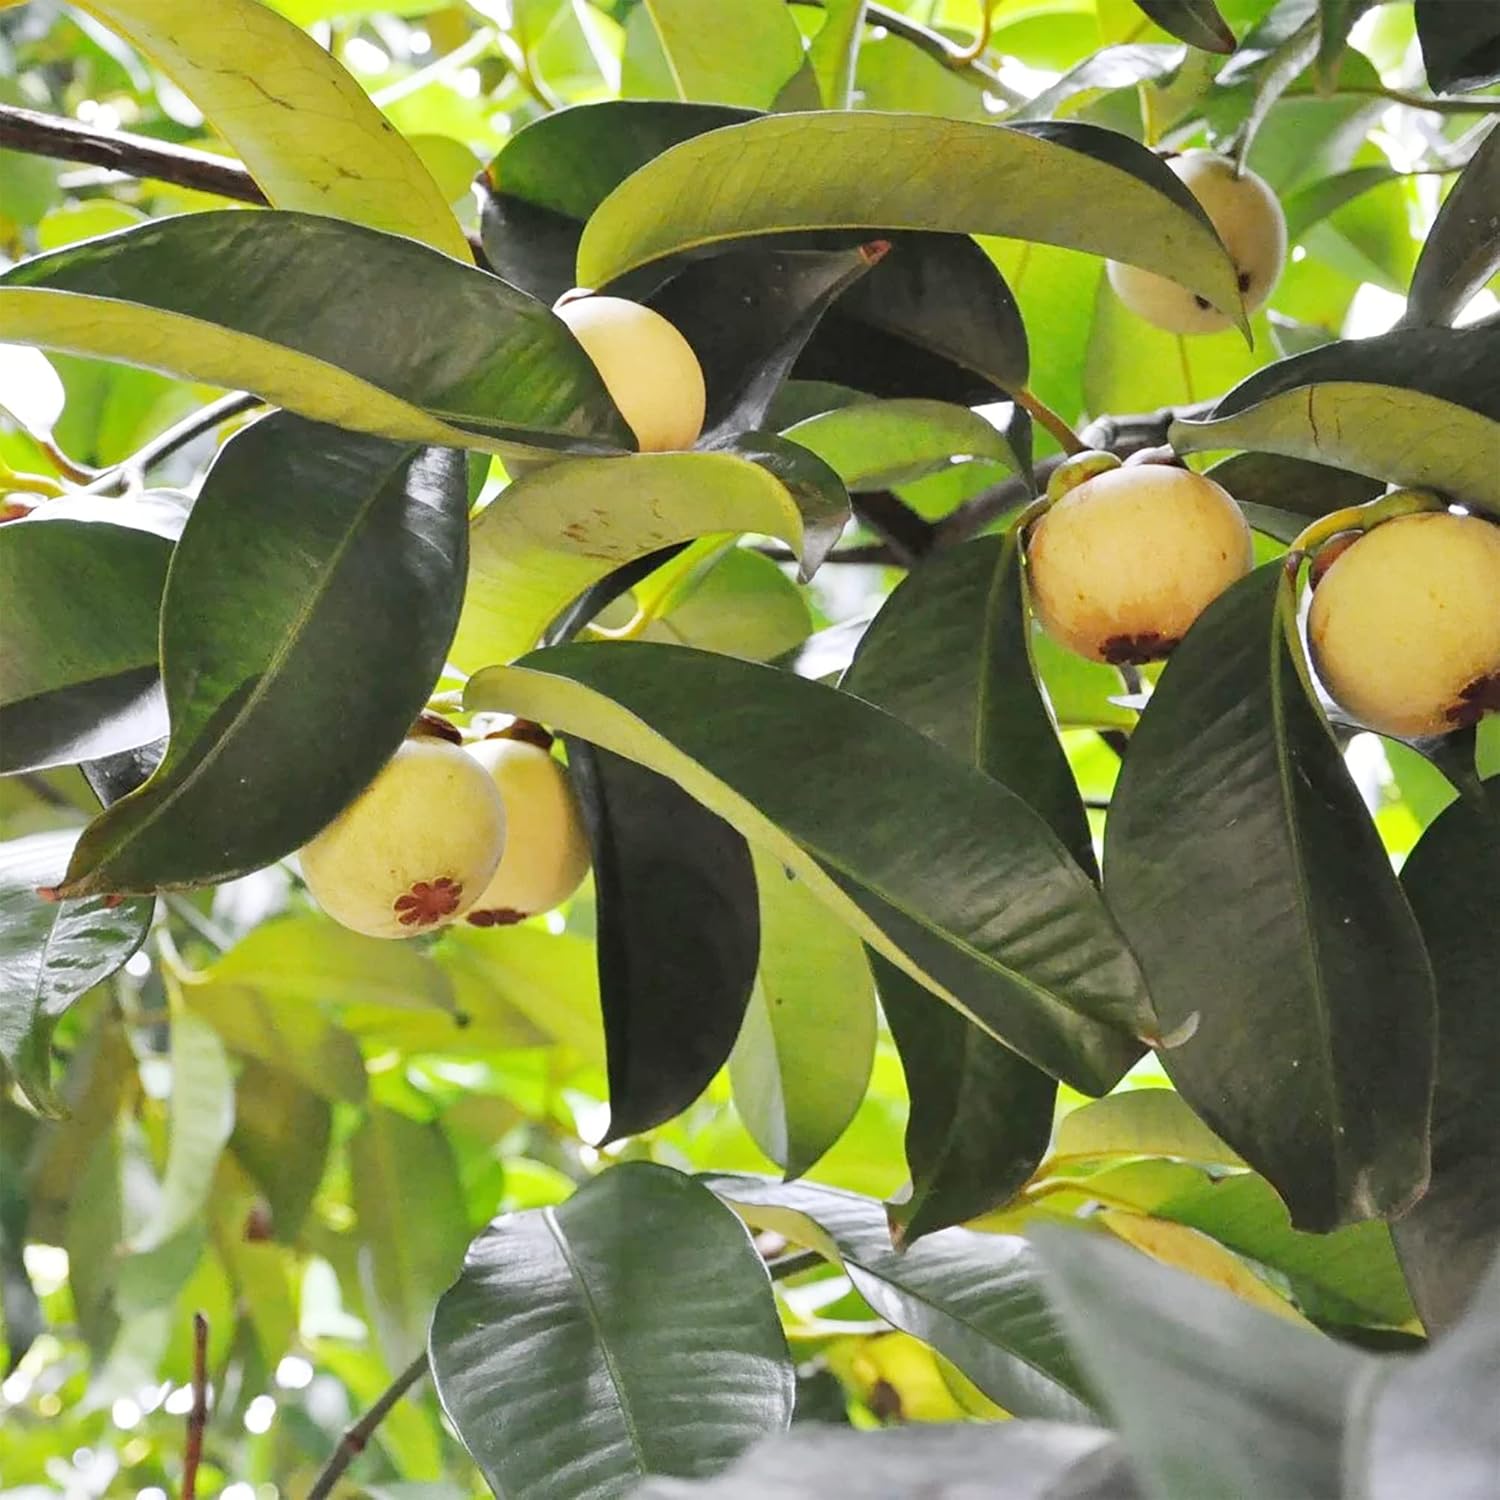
pixel 1109 68
pixel 1420 406
pixel 948 653
pixel 1212 1396
pixel 1451 877
pixel 1288 492
pixel 946 862
pixel 307 614
pixel 78 670
pixel 1460 43
pixel 748 315
pixel 1236 829
pixel 412 1230
pixel 1429 1426
pixel 281 1133
pixel 1462 250
pixel 461 345
pixel 664 863
pixel 562 529
pixel 934 319
pixel 51 952
pixel 1040 1461
pixel 978 1299
pixel 1196 22
pixel 553 174
pixel 1072 185
pixel 630 1331
pixel 802 1061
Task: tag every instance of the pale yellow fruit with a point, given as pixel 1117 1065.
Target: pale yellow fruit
pixel 1249 220
pixel 1123 564
pixel 1405 625
pixel 415 849
pixel 648 368
pixel 546 849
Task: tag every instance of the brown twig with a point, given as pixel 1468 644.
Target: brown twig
pixel 192 1453
pixel 353 1442
pixel 137 155
pixel 908 536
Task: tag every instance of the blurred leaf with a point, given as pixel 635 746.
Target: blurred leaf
pixel 412 1227
pixel 560 529
pixel 1212 1397
pixel 802 1061
pixel 1067 184
pixel 1460 44
pixel 1289 491
pixel 22 1320
pixel 1462 250
pixel 281 616
pixel 281 1132
pixel 78 675
pixel 872 445
pixel 1235 828
pixel 1431 1419
pixel 743 606
pixel 1453 1232
pixel 1109 68
pixel 285 1032
pixel 623 1331
pixel 975 1298
pixel 51 953
pixel 745 56
pixel 663 862
pixel 260 79
pixel 1285 56
pixel 1312 204
pixel 834 51
pixel 488 366
pixel 1335 17
pixel 1040 1461
pixel 1415 407
pixel 683 714
pixel 202 1116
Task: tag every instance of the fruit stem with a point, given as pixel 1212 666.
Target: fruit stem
pixel 1362 517
pixel 11 480
pixel 1044 416
pixel 976 49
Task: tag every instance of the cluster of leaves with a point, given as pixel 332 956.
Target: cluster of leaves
pixel 299 1130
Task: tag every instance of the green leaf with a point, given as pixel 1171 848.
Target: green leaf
pixel 202 1116
pixel 282 615
pixel 51 952
pixel 1335 17
pixel 624 1332
pixel 1462 250
pixel 1140 1122
pixel 487 365
pixel 1287 52
pixel 1451 1234
pixel 684 713
pixel 802 1062
pixel 1460 44
pixel 260 80
pixel 872 445
pixel 1071 185
pixel 1312 204
pixel 559 529
pixel 1109 68
pixel 78 677
pixel 975 1298
pixel 285 1033
pixel 1419 406
pixel 745 55
pixel 663 862
pixel 743 606
pixel 281 1133
pixel 412 1229
pixel 1040 1461
pixel 834 51
pixel 1235 828
pixel 1212 1396
pixel 1295 489
pixel 1196 22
